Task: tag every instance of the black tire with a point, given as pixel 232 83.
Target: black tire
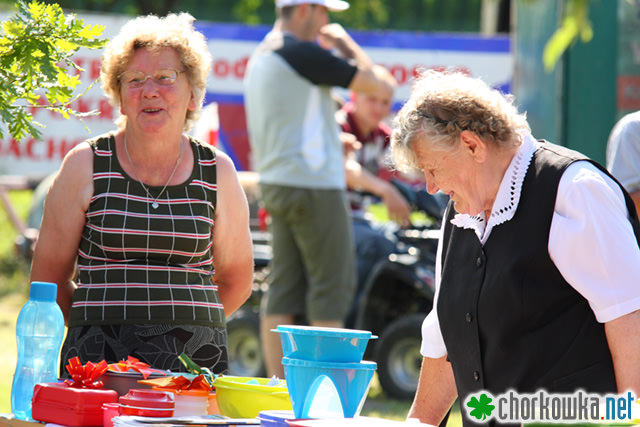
pixel 398 356
pixel 243 343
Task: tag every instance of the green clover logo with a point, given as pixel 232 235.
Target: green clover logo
pixel 482 407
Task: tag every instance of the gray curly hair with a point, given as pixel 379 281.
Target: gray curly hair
pixel 151 32
pixel 443 104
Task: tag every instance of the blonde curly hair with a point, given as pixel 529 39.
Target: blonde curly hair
pixel 151 32
pixel 443 104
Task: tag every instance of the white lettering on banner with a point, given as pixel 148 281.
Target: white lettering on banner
pixel 231 57
pixel 224 85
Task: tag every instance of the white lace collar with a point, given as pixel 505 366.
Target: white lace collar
pixel 506 203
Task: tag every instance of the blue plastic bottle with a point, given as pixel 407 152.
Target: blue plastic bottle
pixel 39 333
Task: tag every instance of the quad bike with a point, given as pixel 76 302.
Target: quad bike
pixel 392 303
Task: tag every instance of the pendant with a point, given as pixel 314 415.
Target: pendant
pixel 154 205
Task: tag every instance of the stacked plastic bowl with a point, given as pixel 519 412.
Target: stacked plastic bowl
pixel 325 373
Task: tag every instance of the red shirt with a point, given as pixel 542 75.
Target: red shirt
pixel 374 145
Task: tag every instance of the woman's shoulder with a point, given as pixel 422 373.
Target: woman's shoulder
pixel 75 173
pixel 79 159
pixel 102 142
pixel 79 156
pixel 204 150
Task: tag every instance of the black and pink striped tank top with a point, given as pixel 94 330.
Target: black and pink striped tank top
pixel 140 265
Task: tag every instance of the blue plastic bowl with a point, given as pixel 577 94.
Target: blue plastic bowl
pixel 316 389
pixel 323 344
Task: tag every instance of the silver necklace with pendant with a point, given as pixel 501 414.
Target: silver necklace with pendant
pixel 154 203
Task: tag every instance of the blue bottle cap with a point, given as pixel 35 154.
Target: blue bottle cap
pixel 43 291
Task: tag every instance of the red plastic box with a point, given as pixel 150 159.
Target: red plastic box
pixel 70 406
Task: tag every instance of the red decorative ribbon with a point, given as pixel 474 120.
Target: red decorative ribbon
pixel 85 376
pixel 200 383
pixel 134 364
pixel 180 383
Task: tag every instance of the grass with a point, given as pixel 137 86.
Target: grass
pixel 380 406
pixel 9 308
pixel 14 285
pixel 13 268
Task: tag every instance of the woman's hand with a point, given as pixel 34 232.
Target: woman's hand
pixel 436 391
pixel 623 337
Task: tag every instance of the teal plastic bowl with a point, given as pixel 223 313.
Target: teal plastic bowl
pixel 327 389
pixel 323 344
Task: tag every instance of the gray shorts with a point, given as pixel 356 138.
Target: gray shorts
pixel 313 269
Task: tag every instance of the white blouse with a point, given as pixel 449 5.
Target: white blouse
pixel 591 240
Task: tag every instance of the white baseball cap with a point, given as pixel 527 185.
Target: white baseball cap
pixel 335 5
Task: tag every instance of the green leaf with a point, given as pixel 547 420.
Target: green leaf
pixel 559 43
pixel 90 32
pixel 37 45
pixel 193 368
pixel 482 408
pixel 574 24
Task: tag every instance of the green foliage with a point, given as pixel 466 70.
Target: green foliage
pixel 249 10
pixel 36 66
pixel 366 14
pixel 409 15
pixel 412 15
pixel 14 269
pixel 574 24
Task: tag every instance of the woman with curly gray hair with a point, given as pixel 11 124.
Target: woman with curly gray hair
pixel 156 221
pixel 536 277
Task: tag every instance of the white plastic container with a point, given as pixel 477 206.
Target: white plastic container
pixel 189 402
pixel 147 403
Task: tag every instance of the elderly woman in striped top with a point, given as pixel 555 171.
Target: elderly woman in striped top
pixel 145 229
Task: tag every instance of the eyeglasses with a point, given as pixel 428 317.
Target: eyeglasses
pixel 136 79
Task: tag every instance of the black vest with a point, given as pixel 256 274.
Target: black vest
pixel 508 317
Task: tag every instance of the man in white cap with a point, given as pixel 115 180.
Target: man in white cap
pixel 299 158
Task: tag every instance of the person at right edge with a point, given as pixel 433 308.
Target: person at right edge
pixel 623 154
pixel 299 159
pixel 538 266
